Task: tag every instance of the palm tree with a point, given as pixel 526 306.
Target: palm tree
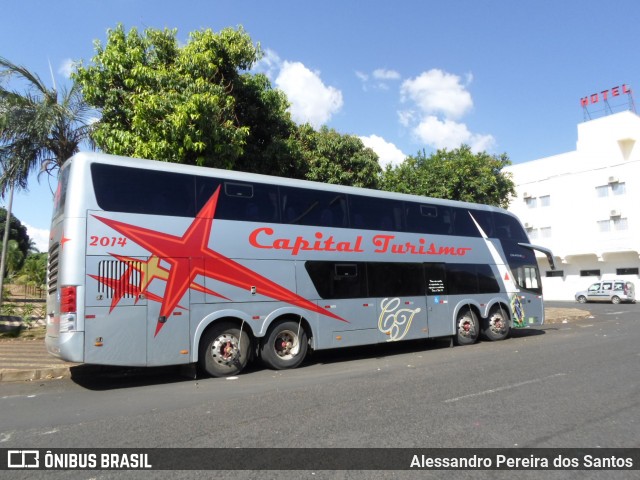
pixel 39 129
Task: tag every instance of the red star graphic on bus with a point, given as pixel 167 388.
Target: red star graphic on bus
pixel 122 287
pixel 201 260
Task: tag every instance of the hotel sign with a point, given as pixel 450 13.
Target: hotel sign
pixel 604 95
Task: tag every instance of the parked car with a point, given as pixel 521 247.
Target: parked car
pixel 614 291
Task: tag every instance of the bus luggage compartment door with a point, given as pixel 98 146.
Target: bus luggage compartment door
pixel 115 312
pixel 167 315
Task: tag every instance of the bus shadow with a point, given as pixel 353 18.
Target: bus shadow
pixel 99 378
pixel 390 349
pixel 380 350
pixel 527 332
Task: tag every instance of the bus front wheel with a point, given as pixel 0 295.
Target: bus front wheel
pixel 467 327
pixel 224 350
pixel 284 346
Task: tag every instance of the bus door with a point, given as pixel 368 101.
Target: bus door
pixel 167 333
pixel 437 299
pixel 400 300
pixel 527 308
pixel 115 320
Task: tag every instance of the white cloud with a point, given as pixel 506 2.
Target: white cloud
pixel 311 100
pixel 387 152
pixel 438 100
pixel 382 74
pixel 39 236
pixel 269 64
pixel 362 76
pixel 66 68
pixel 450 134
pixel 379 78
pixel 438 92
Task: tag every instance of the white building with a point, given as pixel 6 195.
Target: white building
pixel 585 206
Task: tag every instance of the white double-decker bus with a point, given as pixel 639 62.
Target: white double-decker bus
pixel 154 263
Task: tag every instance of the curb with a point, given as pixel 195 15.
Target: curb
pixel 47 373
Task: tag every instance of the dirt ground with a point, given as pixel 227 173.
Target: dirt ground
pixel 565 315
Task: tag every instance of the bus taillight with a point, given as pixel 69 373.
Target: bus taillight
pixel 68 299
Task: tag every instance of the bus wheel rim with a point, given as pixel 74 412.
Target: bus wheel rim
pixel 497 324
pixel 224 349
pixel 286 345
pixel 466 327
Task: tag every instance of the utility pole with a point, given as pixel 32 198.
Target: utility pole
pixel 5 241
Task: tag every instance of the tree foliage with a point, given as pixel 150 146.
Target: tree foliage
pixel 17 232
pixel 457 174
pixel 195 104
pixel 39 128
pixel 34 271
pixel 336 158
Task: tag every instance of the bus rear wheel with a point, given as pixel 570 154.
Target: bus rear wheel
pixel 224 350
pixel 284 346
pixel 496 325
pixel 467 328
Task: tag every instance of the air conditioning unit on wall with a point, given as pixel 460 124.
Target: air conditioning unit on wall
pixel 613 180
pixel 614 213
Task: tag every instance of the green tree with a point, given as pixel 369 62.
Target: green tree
pixel 195 104
pixel 457 174
pixel 332 157
pixel 17 234
pixel 39 128
pixel 14 258
pixel 34 271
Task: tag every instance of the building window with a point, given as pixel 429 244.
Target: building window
pixel 611 189
pixel 531 202
pixel 554 273
pixel 589 273
pixel 618 188
pixel 545 200
pixel 620 224
pixel 613 224
pixel 626 271
pixel 532 233
pixel 604 225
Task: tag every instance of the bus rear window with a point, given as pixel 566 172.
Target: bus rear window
pixel 60 197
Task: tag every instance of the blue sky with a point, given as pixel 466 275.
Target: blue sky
pixel 503 76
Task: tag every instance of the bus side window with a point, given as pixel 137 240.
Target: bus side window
pixel 313 207
pixel 338 280
pixel 245 201
pixel 371 213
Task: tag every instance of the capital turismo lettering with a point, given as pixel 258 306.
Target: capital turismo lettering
pixel 265 238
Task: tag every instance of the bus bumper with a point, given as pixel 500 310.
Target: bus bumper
pixel 68 346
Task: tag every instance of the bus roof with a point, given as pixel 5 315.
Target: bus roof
pixel 96 157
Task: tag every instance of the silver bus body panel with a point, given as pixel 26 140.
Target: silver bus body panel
pixel 122 285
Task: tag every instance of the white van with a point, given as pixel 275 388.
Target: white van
pixel 614 291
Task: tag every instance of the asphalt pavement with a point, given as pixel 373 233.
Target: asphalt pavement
pixel 28 360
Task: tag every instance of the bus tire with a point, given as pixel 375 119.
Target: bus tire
pixel 496 325
pixel 467 327
pixel 224 350
pixel 284 346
